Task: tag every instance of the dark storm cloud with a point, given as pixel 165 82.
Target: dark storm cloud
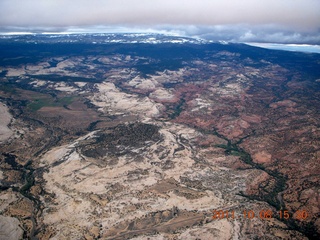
pixel 275 19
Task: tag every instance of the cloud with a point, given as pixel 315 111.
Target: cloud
pixel 249 33
pixel 273 19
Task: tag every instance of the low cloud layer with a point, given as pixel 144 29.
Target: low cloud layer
pixel 237 20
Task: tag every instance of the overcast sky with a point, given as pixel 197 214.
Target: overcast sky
pixel 286 21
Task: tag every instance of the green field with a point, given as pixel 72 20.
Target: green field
pixel 37 104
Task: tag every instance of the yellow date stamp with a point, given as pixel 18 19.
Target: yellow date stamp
pixel 264 214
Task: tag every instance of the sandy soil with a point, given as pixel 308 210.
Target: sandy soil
pixel 110 99
pixel 5 119
pixel 86 190
pixel 10 228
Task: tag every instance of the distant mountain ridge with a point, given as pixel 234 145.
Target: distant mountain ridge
pixel 103 38
pixel 168 50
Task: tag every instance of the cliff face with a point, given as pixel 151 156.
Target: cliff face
pixel 164 141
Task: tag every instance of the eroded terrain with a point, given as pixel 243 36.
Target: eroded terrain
pixel 144 141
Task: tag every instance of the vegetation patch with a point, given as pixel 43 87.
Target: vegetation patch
pixel 37 104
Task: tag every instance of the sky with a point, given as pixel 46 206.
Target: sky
pixel 276 21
